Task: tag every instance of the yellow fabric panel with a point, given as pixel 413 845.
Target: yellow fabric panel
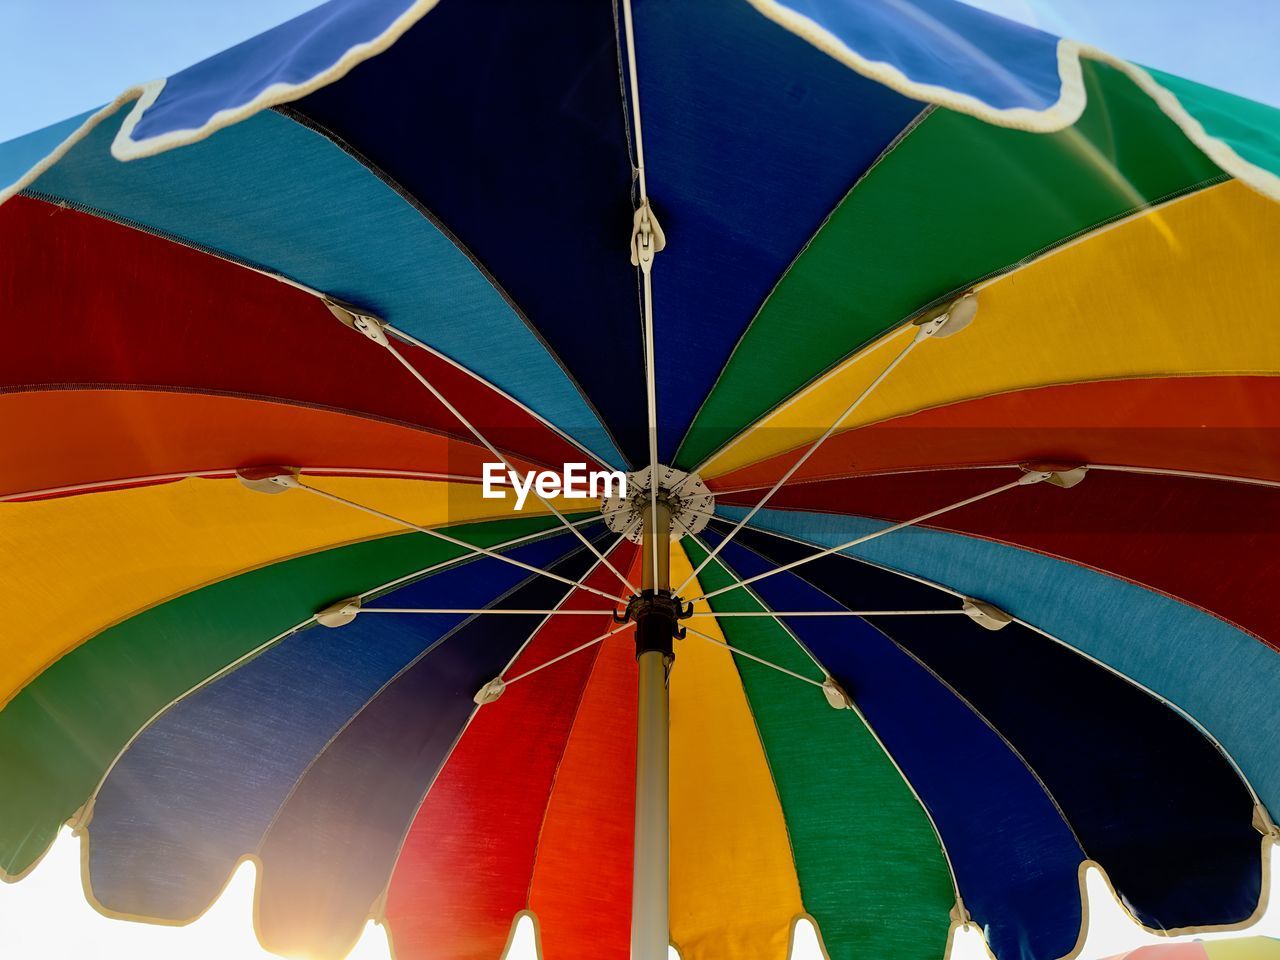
pixel 1243 948
pixel 73 566
pixel 1188 288
pixel 734 891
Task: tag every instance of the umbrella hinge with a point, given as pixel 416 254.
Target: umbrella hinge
pixel 361 321
pixel 947 319
pixel 986 615
pixel 268 479
pixel 1065 475
pixel 339 614
pixel 837 697
pixel 647 238
pixel 1263 823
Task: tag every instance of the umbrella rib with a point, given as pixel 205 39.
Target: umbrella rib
pixel 751 656
pixel 479 612
pixel 569 653
pixel 717 616
pixel 764 610
pixel 486 551
pixel 629 31
pixel 1023 481
pixel 435 392
pixel 470 555
pixel 922 333
pixel 825 613
pixel 582 584
pixel 645 263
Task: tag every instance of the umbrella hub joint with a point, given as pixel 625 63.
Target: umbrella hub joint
pixel 657 615
pixel 360 320
pixel 683 494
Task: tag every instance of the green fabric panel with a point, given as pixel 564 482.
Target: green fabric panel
pixel 1250 128
pixel 870 868
pixel 954 202
pixel 65 728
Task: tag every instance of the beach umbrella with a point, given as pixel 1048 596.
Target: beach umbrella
pixel 891 392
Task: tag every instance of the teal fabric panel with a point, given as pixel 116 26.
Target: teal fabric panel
pixel 1251 129
pixel 19 155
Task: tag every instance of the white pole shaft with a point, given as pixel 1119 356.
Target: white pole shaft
pixel 650 934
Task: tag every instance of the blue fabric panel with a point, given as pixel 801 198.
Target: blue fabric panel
pixel 330 852
pixel 948 44
pixel 273 193
pixel 198 788
pixel 1183 654
pixel 752 136
pixel 1016 861
pixel 293 53
pixel 1170 822
pixel 505 119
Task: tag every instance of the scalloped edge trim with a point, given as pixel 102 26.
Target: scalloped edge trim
pixel 1071 102
pixel 376 913
pixel 125 147
pixel 1060 115
pixel 142 93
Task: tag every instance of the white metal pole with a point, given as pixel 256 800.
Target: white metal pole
pixel 650 934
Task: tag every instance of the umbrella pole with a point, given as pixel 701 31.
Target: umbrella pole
pixel 655 631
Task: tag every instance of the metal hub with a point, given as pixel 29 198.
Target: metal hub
pixel 657 617
pixel 684 494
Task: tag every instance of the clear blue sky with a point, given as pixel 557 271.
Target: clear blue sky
pixel 61 57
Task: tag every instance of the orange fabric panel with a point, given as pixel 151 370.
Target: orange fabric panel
pixel 62 438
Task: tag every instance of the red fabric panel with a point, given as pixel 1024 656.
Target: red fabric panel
pixel 1223 425
pixel 1210 543
pixel 60 438
pixel 465 868
pixel 100 304
pixel 581 889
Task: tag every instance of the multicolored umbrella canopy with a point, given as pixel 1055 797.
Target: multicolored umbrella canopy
pixel 1034 556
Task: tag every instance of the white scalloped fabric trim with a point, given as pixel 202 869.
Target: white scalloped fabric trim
pixel 125 147
pixel 1058 116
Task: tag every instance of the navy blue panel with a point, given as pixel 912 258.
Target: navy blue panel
pixel 292 53
pixel 331 850
pixel 198 788
pixel 949 44
pixel 1151 799
pixel 1016 861
pixel 752 136
pixel 505 119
